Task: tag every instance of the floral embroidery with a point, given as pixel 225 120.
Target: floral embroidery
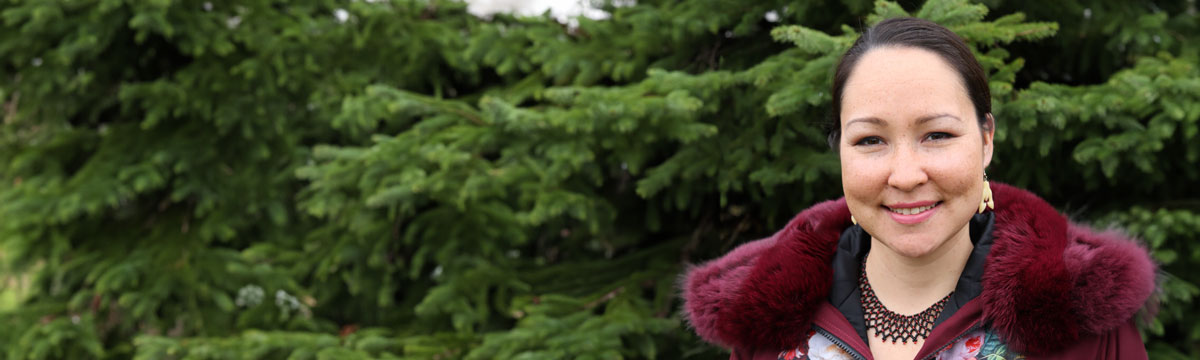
pixel 820 348
pixel 816 347
pixel 965 349
pixel 973 344
pixel 979 345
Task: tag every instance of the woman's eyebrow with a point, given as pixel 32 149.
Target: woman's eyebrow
pixel 868 119
pixel 920 120
pixel 927 118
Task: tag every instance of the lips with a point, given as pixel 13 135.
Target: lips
pixel 913 213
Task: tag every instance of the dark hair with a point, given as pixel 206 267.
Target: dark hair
pixel 921 34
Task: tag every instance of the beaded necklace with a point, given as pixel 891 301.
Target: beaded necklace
pixel 889 324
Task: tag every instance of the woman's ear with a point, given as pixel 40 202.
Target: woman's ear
pixel 989 136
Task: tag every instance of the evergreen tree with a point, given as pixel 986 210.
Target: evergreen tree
pixel 400 179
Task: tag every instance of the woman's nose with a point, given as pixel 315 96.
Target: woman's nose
pixel 908 170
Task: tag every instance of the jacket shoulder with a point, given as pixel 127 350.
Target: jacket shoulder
pixel 1121 343
pixel 1050 282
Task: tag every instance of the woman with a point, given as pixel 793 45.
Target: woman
pixel 922 258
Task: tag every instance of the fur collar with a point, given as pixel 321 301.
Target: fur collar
pixel 1047 281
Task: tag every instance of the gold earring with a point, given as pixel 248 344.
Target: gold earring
pixel 853 220
pixel 988 202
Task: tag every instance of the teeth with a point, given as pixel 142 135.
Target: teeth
pixel 912 211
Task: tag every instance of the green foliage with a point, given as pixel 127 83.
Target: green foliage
pixel 1121 125
pixel 255 179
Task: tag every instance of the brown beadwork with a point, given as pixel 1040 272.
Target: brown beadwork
pixel 890 325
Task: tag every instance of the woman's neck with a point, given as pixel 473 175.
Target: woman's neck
pixel 909 285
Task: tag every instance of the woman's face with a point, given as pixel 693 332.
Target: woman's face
pixel 912 152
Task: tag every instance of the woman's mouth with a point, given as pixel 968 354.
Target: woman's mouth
pixel 912 210
pixel 913 213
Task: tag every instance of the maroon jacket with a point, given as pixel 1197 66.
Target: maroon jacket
pixel 1050 288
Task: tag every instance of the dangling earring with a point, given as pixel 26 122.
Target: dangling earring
pixel 987 202
pixel 853 220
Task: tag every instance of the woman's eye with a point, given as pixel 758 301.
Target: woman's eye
pixel 870 140
pixel 939 136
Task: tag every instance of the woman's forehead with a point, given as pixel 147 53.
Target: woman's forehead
pixel 902 66
pixel 902 79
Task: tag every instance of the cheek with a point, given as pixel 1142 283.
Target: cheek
pixel 957 174
pixel 862 178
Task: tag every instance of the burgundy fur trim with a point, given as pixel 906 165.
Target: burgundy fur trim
pixel 709 287
pixel 1026 282
pixel 777 290
pixel 1115 276
pixel 1047 281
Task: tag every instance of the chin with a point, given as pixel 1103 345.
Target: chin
pixel 913 245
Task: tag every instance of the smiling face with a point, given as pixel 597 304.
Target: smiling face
pixel 912 150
